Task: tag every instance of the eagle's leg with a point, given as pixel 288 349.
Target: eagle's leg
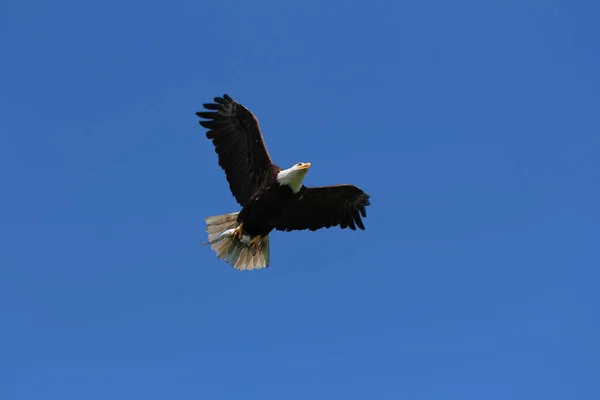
pixel 237 233
pixel 255 245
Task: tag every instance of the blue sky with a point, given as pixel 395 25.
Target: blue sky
pixel 473 125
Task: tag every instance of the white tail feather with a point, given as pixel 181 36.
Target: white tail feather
pixel 233 251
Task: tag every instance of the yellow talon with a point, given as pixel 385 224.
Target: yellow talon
pixel 237 233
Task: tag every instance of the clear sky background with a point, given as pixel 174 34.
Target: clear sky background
pixel 474 126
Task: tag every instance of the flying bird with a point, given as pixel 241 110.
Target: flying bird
pixel 271 198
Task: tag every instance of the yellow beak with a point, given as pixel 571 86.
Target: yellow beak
pixel 304 166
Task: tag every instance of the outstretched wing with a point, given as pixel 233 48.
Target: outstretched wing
pixel 326 206
pixel 239 144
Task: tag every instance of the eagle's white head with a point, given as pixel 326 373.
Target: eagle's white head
pixel 293 176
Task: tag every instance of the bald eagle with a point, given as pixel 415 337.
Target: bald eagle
pixel 270 197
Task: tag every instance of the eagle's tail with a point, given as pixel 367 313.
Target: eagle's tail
pixel 235 251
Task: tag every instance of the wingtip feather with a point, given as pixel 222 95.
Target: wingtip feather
pixel 211 106
pixel 207 115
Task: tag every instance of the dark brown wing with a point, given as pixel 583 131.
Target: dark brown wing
pixel 239 144
pixel 327 206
